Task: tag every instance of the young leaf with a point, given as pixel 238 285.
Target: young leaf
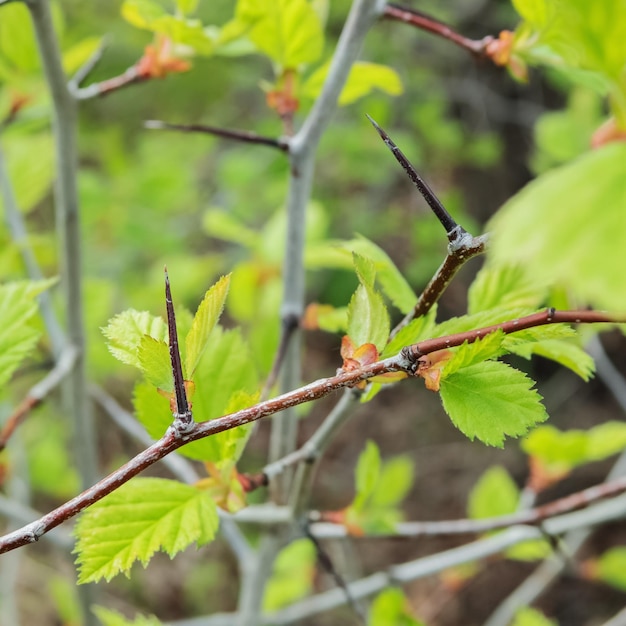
pixel 204 321
pixel 392 607
pixel 225 382
pixel 468 354
pixel 126 330
pixel 416 330
pixel 362 80
pixel 140 518
pixel 154 357
pixel 538 225
pixel 506 286
pixel 490 401
pixel 611 568
pixel 494 494
pixel 113 618
pixel 365 270
pixel 394 482
pixel 17 338
pixel 288 31
pixel 367 474
pixel 292 575
pixel 528 616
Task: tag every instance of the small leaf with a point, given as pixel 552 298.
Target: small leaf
pixel 113 618
pixel 126 330
pixel 506 286
pixel 362 80
pixel 17 337
pixel 488 347
pixel 611 568
pixel 288 31
pixel 416 330
pixel 141 13
pixel 493 495
pixel 528 616
pixel 490 401
pixel 392 607
pixel 292 575
pixel 367 474
pixel 535 12
pixel 138 519
pixel 394 483
pixel 365 269
pixel 154 357
pixel 204 321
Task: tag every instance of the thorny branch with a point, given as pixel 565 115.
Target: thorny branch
pixel 179 434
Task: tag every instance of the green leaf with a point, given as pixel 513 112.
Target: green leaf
pixel 288 31
pixel 489 347
pixel 493 495
pixel 478 320
pixel 394 482
pixel 490 401
pixel 126 330
pixel 611 568
pixel 367 474
pixel 535 12
pixel 138 519
pixel 113 618
pixel 225 381
pixel 566 353
pixel 393 283
pixel 391 607
pixel 506 287
pixel 571 448
pixel 31 179
pixel 565 225
pixel 368 320
pixel 528 616
pixel 187 6
pixel 155 360
pixel 292 576
pixel 416 330
pixel 17 337
pixel 204 321
pixel 142 13
pixel 362 80
pixel 17 42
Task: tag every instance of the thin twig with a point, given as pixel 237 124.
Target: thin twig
pixel 38 392
pixel 87 67
pixel 530 517
pixel 19 236
pixel 174 438
pixel 431 25
pixel 237 135
pixel 97 90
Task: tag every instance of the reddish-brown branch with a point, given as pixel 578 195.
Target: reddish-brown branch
pixel 425 22
pixel 175 437
pixel 237 135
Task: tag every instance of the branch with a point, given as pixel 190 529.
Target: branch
pixel 532 517
pixel 87 67
pixel 19 235
pixel 425 22
pixel 68 226
pixel 37 393
pixel 237 135
pixel 131 76
pixel 175 437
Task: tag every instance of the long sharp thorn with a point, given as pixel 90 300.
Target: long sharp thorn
pixel 428 194
pixel 182 406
